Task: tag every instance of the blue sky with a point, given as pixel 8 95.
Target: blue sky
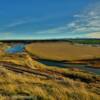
pixel 47 19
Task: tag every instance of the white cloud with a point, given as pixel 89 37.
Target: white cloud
pixel 16 24
pixel 87 21
pixel 20 22
pixel 86 24
pixel 93 35
pixel 53 30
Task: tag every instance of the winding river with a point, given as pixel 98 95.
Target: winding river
pixel 18 48
pixel 63 65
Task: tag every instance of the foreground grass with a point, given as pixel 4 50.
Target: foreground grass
pixel 51 83
pixel 70 85
pixel 14 85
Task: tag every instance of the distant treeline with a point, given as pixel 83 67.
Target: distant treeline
pixel 85 41
pixel 80 41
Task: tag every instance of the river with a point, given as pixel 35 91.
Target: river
pixel 18 48
pixel 65 65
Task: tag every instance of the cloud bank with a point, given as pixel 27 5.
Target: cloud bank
pixel 85 24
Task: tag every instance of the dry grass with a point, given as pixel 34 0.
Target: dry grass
pixel 63 51
pixel 22 59
pixel 23 86
pixel 14 85
pixel 73 85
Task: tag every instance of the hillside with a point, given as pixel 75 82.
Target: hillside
pixel 63 51
pixel 21 77
pixel 66 52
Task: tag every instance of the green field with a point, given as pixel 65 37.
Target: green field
pixel 86 41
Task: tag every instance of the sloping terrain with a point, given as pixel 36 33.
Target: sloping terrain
pixel 67 52
pixel 63 51
pixel 23 78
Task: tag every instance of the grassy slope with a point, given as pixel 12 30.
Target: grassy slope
pixel 70 85
pixel 63 51
pixel 55 84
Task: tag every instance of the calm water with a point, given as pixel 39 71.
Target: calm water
pixel 18 48
pixel 63 65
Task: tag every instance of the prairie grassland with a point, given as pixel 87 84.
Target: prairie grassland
pixel 63 51
pixel 70 85
pixel 23 78
pixel 22 59
pixel 14 85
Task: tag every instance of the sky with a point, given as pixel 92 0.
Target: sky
pixel 49 19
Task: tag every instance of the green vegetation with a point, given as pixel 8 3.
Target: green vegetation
pixel 85 41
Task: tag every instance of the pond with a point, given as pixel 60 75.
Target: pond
pixel 18 48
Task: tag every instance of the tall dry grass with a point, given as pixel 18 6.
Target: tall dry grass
pixel 15 85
